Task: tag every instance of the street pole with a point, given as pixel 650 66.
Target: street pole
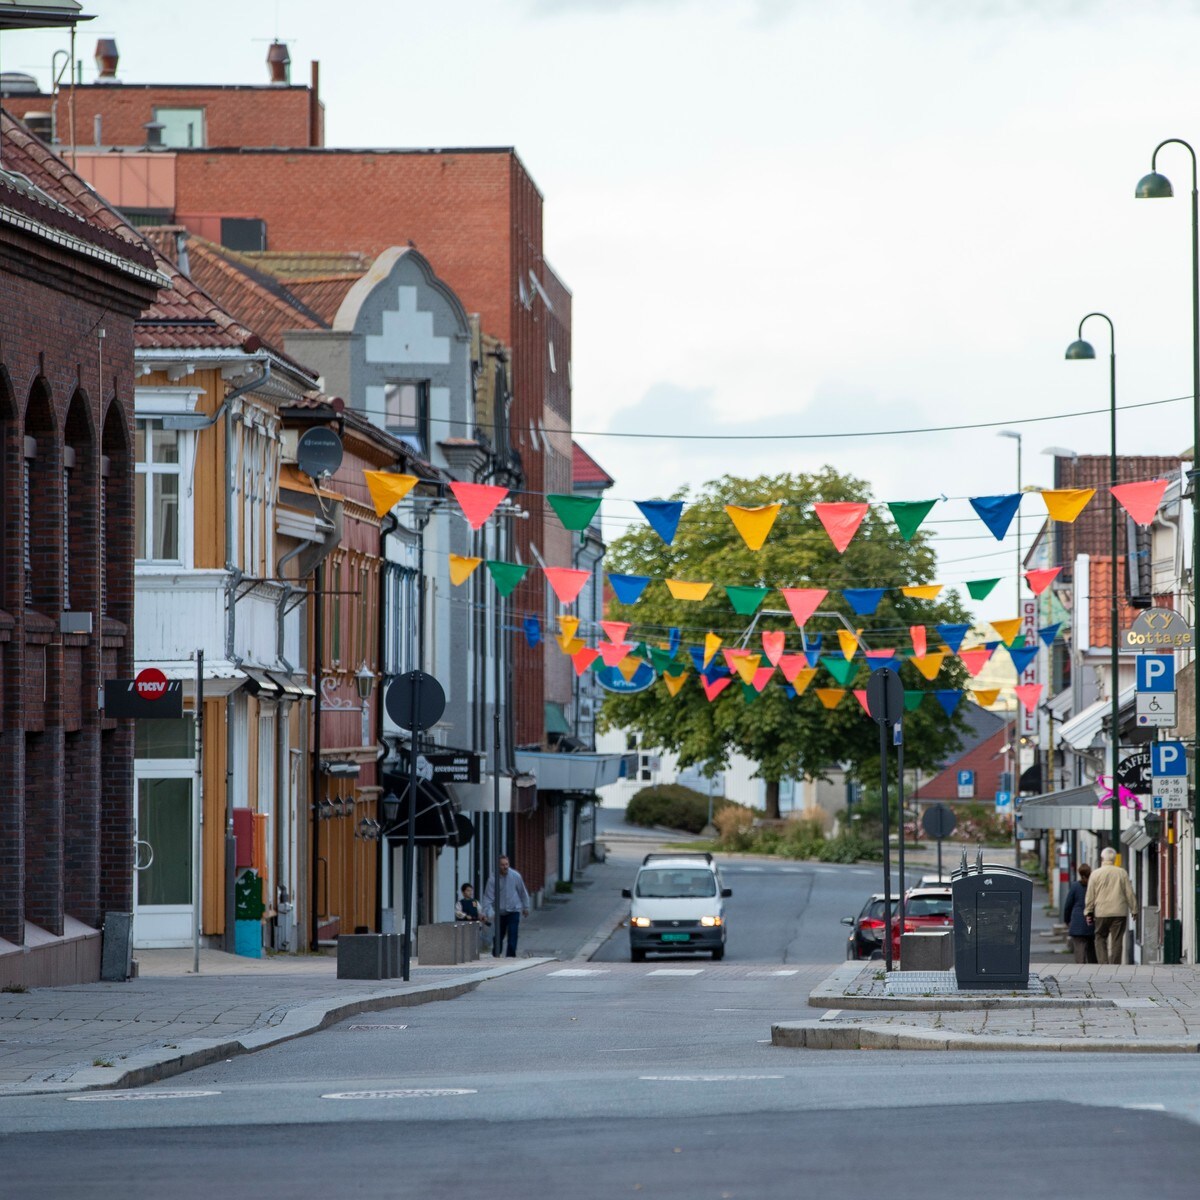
pixel 409 839
pixel 496 827
pixel 887 848
pixel 314 799
pixel 198 816
pixel 898 742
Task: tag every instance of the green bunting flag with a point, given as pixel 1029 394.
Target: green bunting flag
pixel 979 589
pixel 749 693
pixel 908 515
pixel 575 512
pixel 745 600
pixel 842 669
pixel 912 700
pixel 506 575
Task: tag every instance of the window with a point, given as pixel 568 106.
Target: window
pixel 68 467
pixel 182 127
pixel 27 526
pixel 406 408
pixel 157 493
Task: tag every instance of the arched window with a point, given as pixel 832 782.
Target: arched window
pixel 10 510
pixel 79 498
pixel 116 518
pixel 41 505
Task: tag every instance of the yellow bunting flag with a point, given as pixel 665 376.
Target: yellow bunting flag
pixel 986 697
pixel 746 665
pixel 925 591
pixel 461 568
pixel 387 490
pixel 848 641
pixel 830 697
pixel 675 682
pixel 803 678
pixel 628 666
pixel 712 643
pixel 570 645
pixel 929 664
pixel 753 523
pixel 682 590
pixel 1065 504
pixel 568 625
pixel 1007 629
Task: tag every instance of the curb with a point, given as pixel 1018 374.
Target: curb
pixel 603 932
pixel 801 1035
pixel 156 1064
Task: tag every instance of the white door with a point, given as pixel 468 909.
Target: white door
pixel 162 885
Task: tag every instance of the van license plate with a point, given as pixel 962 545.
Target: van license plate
pixel 676 937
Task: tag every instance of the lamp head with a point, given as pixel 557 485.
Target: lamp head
pixel 391 808
pixel 1008 433
pixel 1079 349
pixel 1154 187
pixel 364 681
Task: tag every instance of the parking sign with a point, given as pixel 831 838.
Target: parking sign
pixel 1169 775
pixel 1155 673
pixel 966 785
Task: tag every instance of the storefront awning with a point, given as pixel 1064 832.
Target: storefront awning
pixel 1084 728
pixel 1076 808
pixel 436 821
pixel 570 772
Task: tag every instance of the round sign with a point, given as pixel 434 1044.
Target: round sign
pixel 1133 773
pixel 319 452
pixel 611 679
pixel 939 821
pixel 415 701
pixel 150 684
pixel 885 697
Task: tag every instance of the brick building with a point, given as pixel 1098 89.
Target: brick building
pixel 74 281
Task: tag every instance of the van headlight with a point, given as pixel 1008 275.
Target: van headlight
pixel 640 922
pixel 709 922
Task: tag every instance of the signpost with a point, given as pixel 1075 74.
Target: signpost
pixel 1004 803
pixel 939 822
pixel 885 703
pixel 966 785
pixel 1169 772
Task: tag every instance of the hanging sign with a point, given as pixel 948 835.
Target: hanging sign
pixel 611 679
pixel 1158 629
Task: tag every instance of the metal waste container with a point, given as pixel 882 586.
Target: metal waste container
pixel 993 914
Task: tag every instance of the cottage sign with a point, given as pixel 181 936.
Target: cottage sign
pixel 1159 629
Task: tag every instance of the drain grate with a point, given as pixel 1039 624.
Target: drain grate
pixel 373 1028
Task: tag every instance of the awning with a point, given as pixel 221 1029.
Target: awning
pixel 436 823
pixel 556 718
pixel 1082 729
pixel 290 687
pixel 570 772
pixel 259 682
pixel 1075 808
pixel 481 797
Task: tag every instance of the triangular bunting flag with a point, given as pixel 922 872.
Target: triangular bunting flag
pixel 803 602
pixel 841 521
pixel 615 631
pixel 569 625
pixel 749 695
pixel 583 658
pixel 923 591
pixel 477 500
pixel 860 694
pixel 711 645
pixel 876 659
pixel 1007 629
pixel 830 697
pixel 575 512
pixel 953 635
pixel 506 575
pixel 997 512
pixel 387 490
pixel 986 697
pixel 533 631
pixel 843 670
pixel 675 682
pixel 613 652
pixel 461 568
pixel 848 643
pixel 773 643
pixel 1021 658
pixel 974 660
pixel 745 600
pixel 1029 694
pixel 570 645
pixel 629 667
pixel 714 687
pixel 912 700
pixel 1041 579
pixel 753 523
pixel 949 700
pixel 929 664
pixel 683 590
pixel 1049 632
pixel 1065 504
pixel 674 638
pixel 628 589
pixel 746 665
pixel 791 665
pixel 864 601
pixel 917 633
pixel 567 582
pixel 733 653
pixel 908 515
pixel 802 679
pixel 762 677
pixel 664 663
pixel 980 589
pixel 1140 500
pixel 663 516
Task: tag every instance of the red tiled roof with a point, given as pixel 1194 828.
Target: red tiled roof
pixel 586 471
pixel 323 296
pixel 987 760
pixel 1100 600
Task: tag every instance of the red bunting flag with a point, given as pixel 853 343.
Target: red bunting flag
pixel 762 677
pixel 791 665
pixel 583 658
pixel 477 500
pixel 1040 580
pixel 860 694
pixel 917 633
pixel 613 652
pixel 841 521
pixel 615 631
pixel 803 602
pixel 1140 500
pixel 1029 694
pixel 974 660
pixel 773 644
pixel 713 688
pixel 567 582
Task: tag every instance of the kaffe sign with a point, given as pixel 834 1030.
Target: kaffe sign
pixel 150 695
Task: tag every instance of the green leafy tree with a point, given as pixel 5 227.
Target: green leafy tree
pixel 786 737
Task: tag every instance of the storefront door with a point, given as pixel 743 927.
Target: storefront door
pixel 163 883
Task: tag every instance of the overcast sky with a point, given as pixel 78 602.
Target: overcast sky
pixel 792 216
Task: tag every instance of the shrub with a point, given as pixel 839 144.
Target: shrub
pixel 734 824
pixel 674 806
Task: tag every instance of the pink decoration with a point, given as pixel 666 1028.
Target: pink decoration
pixel 762 677
pixel 615 631
pixel 860 694
pixel 1140 500
pixel 841 521
pixel 477 500
pixel 974 660
pixel 613 652
pixel 732 654
pixel 584 658
pixel 1029 694
pixel 713 688
pixel 1040 580
pixel 773 646
pixel 917 633
pixel 803 602
pixel 567 582
pixel 791 665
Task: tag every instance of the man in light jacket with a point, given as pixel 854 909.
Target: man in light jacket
pixel 513 904
pixel 1109 902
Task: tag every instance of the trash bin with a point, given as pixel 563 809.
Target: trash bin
pixel 993 914
pixel 1172 941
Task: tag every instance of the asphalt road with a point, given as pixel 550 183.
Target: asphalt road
pixel 602 1079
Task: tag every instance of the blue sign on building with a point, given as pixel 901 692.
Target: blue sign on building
pixel 1155 673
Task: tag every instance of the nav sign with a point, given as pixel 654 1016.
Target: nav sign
pixel 150 695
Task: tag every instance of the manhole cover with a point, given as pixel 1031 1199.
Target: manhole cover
pixel 98 1096
pixel 400 1094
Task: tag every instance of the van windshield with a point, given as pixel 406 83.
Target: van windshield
pixel 664 883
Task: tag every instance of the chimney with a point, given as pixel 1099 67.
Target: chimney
pixel 279 64
pixel 106 60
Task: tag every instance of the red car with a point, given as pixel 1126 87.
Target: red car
pixel 925 909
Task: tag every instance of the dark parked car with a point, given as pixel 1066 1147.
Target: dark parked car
pixel 866 936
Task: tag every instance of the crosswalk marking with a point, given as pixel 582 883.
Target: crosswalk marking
pixel 770 974
pixel 677 971
pixel 578 972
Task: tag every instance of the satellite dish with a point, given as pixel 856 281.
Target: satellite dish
pixel 319 452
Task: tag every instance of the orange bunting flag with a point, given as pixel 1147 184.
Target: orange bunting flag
pixel 917 633
pixel 1029 694
pixel 753 523
pixel 773 644
pixel 1040 580
pixel 830 697
pixel 929 664
pixel 1140 500
pixel 615 631
pixel 802 679
pixel 986 697
pixel 583 658
pixel 1007 630
pixel 387 490
pixel 477 500
pixel 461 568
pixel 712 644
pixel 570 645
pixel 675 682
pixel 803 602
pixel 974 660
pixel 791 665
pixel 841 521
pixel 568 625
pixel 1065 504
pixel 628 666
pixel 848 642
pixel 762 677
pixel 860 694
pixel 924 591
pixel 682 590
pixel 613 652
pixel 567 582
pixel 746 666
pixel 713 688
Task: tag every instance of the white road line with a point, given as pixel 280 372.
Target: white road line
pixel 677 971
pixel 770 974
pixel 576 972
pixel 703 1078
pixel 754 870
pixel 631 1050
pixel 400 1094
pixel 831 1015
pixel 176 1095
pixel 1147 1107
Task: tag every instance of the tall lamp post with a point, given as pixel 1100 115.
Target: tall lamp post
pixel 1158 187
pixel 1078 351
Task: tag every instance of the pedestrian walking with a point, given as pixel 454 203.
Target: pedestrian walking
pixel 467 908
pixel 1109 902
pixel 512 905
pixel 1080 927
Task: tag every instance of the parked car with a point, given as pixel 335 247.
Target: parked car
pixel 925 909
pixel 866 930
pixel 678 904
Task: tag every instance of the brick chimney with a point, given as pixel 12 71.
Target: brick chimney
pixel 106 60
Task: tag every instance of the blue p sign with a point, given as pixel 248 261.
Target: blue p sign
pixel 1155 673
pixel 1167 758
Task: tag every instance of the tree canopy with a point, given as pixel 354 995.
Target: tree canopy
pixel 788 737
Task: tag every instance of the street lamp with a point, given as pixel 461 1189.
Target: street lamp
pixel 1081 351
pixel 1012 433
pixel 1158 187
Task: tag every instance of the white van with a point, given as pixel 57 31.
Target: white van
pixel 678 906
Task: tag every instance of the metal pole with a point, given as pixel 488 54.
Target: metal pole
pixel 1115 625
pixel 1195 480
pixel 496 828
pixel 314 806
pixel 409 840
pixel 898 741
pixel 887 848
pixel 198 816
pixel 1020 563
